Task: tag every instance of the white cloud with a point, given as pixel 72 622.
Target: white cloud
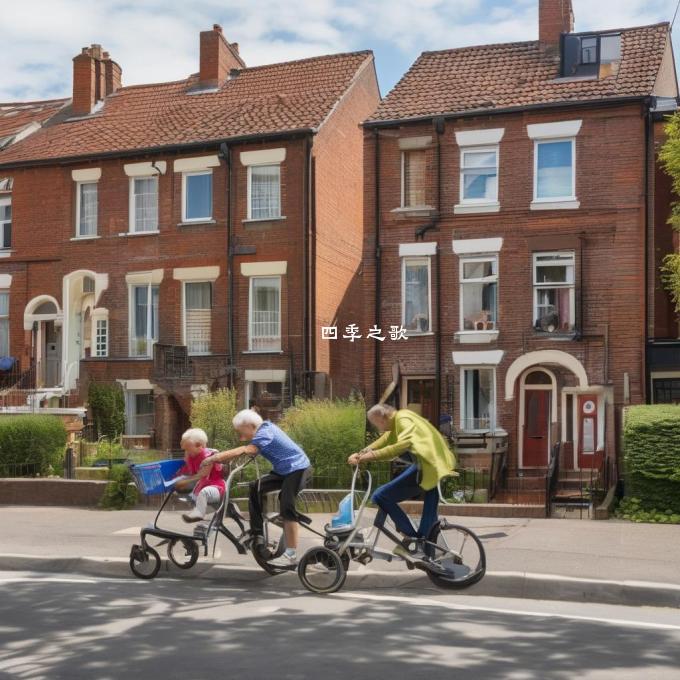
pixel 156 40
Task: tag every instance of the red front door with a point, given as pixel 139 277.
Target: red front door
pixel 536 428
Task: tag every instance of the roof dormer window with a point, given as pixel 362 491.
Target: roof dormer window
pixel 594 56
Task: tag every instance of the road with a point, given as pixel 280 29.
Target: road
pixel 56 627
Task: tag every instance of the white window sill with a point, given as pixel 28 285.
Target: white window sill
pixel 6 252
pixel 416 334
pixel 497 432
pixel 566 204
pixel 85 238
pixel 196 223
pixel 199 354
pixel 476 208
pixel 262 351
pixel 415 209
pixel 476 337
pixel 139 233
pixel 251 220
pixel 137 358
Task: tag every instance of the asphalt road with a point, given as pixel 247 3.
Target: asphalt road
pixel 56 627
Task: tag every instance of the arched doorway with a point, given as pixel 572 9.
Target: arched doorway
pixel 538 417
pixel 43 317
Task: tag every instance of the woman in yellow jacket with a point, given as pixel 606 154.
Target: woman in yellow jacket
pixel 406 431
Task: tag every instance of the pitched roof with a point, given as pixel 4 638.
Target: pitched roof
pixel 518 74
pixel 260 100
pixel 17 116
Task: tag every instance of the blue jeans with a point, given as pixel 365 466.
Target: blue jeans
pixel 403 488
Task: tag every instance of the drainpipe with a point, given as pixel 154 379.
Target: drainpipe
pixel 376 173
pixel 649 151
pixel 226 154
pixel 307 272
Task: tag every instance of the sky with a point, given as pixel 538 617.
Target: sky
pixel 157 40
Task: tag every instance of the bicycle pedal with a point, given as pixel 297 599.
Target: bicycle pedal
pixel 365 558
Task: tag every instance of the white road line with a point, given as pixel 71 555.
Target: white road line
pixel 499 610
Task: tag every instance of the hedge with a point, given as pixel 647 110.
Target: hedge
pixel 214 412
pixel 107 404
pixel 31 440
pixel 651 437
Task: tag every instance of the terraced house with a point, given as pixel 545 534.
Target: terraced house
pixel 176 237
pixel 515 219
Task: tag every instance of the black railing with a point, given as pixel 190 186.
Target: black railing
pixel 551 477
pixel 172 361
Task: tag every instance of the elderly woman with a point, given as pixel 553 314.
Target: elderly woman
pixel 406 432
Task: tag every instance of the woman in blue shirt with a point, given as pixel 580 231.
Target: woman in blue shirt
pixel 289 463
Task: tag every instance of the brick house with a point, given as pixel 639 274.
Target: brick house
pixel 177 237
pixel 509 206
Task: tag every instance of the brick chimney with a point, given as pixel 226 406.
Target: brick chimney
pixel 95 75
pixel 554 18
pixel 218 57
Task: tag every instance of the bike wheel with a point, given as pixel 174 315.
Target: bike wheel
pixel 183 552
pixel 321 571
pixel 457 557
pixel 145 562
pixel 273 547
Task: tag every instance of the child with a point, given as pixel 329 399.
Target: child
pixel 289 462
pixel 210 487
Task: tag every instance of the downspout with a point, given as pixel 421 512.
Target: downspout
pixel 649 149
pixel 306 274
pixel 225 152
pixel 376 173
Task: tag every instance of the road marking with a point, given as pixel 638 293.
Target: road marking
pixel 130 531
pixel 500 610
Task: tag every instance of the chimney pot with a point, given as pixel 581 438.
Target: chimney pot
pixel 217 28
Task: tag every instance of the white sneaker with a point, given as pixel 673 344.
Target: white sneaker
pixel 285 561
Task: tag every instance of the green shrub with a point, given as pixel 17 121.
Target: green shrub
pixel 651 436
pixel 328 431
pixel 107 404
pixel 33 440
pixel 632 510
pixel 213 412
pixel 120 492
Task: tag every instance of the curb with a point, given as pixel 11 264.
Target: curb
pixel 508 584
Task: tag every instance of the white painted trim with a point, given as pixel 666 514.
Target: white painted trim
pixel 277 268
pixel 196 274
pixel 203 218
pixel 564 128
pixel 32 305
pixel 484 358
pixel 461 189
pixel 137 384
pixel 410 143
pixel 540 357
pixel 476 208
pixel 417 249
pixel 479 137
pixel 476 337
pixel 6 281
pixel 474 246
pixel 555 205
pixel 196 163
pixel 100 313
pixel 265 376
pixel 263 157
pixel 86 175
pixel 153 277
pixel 418 261
pixel 145 169
pixel 520 416
pixel 25 132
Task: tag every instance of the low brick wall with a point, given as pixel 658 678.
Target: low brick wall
pixel 482 509
pixel 68 492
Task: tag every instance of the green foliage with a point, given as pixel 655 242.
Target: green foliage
pixel 632 510
pixel 670 277
pixel 213 412
pixel 471 486
pixel 669 155
pixel 34 440
pixel 107 403
pixel 120 493
pixel 651 437
pixel 328 431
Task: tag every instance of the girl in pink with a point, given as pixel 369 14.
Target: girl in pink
pixel 210 487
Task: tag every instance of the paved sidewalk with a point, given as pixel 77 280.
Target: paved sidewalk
pixel 526 555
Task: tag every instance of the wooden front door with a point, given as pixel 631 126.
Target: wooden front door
pixel 536 428
pixel 589 454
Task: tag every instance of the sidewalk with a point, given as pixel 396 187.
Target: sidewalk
pixel 551 559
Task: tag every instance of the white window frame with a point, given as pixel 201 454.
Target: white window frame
pixel 555 199
pixel 250 315
pixel 185 184
pixel 250 193
pixel 131 212
pixel 416 261
pixel 100 351
pixel 495 148
pixel 150 340
pixel 403 179
pixel 571 286
pixel 184 316
pixel 130 399
pixel 5 291
pixel 494 278
pixel 5 200
pixel 493 416
pixel 79 188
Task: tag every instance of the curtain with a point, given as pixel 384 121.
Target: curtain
pixel 88 209
pixel 416 298
pixel 197 313
pixel 265 199
pixel 265 329
pixel 146 204
pixel 414 178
